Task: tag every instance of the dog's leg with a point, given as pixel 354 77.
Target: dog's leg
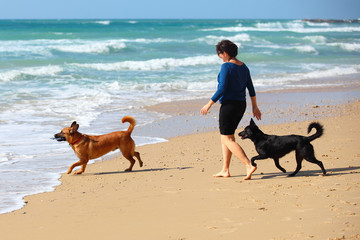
pixel 81 162
pixel 132 162
pixel 83 166
pixel 137 155
pixel 258 157
pixel 312 159
pixel 309 156
pixel 277 164
pixel 73 166
pixel 299 159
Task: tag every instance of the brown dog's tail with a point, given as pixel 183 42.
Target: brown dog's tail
pixel 130 120
pixel 319 130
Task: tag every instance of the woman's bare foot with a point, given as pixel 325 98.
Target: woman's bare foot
pixel 222 174
pixel 249 170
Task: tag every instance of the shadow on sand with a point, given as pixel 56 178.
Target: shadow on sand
pixel 329 172
pixel 142 170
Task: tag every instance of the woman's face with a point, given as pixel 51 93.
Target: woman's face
pixel 224 56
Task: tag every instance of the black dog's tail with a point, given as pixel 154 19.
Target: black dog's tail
pixel 319 130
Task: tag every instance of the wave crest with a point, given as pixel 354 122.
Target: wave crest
pixel 153 64
pixel 32 71
pixel 351 47
pixel 45 46
pixel 285 78
pixel 91 47
pixel 293 26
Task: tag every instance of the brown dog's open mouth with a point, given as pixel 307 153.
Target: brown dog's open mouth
pixel 59 138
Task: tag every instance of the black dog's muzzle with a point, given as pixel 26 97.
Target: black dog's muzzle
pixel 59 138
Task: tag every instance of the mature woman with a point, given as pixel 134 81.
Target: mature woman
pixel 233 79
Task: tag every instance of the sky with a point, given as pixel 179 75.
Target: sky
pixel 179 9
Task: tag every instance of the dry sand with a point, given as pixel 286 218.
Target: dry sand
pixel 174 196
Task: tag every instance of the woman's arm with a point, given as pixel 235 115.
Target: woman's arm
pixel 222 82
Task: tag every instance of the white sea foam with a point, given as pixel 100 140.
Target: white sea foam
pixel 4 158
pixel 91 47
pixel 165 86
pixel 280 25
pixel 62 33
pixel 313 24
pixel 153 40
pixel 103 22
pixel 213 39
pixel 315 39
pixel 284 78
pixel 305 49
pixel 32 71
pixel 270 25
pixel 298 48
pixel 45 46
pixel 283 27
pixel 351 47
pixel 75 102
pixel 153 64
pixel 67 102
pixel 21 47
pixel 335 71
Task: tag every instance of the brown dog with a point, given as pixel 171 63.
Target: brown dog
pixel 90 147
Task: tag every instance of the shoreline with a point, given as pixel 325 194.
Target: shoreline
pixel 277 106
pixel 174 196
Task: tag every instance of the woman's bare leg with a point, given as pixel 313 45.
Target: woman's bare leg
pixel 229 144
pixel 225 172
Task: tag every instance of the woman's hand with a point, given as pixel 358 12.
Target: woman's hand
pixel 257 113
pixel 205 109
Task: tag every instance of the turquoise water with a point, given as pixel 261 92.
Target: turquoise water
pixel 55 71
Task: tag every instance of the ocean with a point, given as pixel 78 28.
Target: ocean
pixel 53 72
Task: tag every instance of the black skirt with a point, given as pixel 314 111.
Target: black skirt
pixel 231 112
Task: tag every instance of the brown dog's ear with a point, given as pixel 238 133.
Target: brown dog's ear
pixel 74 127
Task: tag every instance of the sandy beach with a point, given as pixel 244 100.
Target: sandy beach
pixel 174 196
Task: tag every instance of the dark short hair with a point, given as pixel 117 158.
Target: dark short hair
pixel 228 47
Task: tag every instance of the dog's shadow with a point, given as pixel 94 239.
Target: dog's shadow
pixel 309 173
pixel 142 170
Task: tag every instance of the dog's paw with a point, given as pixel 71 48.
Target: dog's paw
pixel 128 170
pixel 69 171
pixel 78 172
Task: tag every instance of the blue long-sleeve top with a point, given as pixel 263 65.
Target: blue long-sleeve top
pixel 233 80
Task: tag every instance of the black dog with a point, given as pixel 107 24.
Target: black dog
pixel 275 147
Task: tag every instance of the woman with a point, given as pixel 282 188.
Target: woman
pixel 233 79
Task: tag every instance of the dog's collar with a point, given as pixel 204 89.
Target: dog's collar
pixel 76 141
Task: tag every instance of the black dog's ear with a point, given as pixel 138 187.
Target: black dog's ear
pixel 252 123
pixel 74 126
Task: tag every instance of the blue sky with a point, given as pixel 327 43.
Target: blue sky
pixel 135 9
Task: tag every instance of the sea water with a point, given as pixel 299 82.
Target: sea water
pixel 53 72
